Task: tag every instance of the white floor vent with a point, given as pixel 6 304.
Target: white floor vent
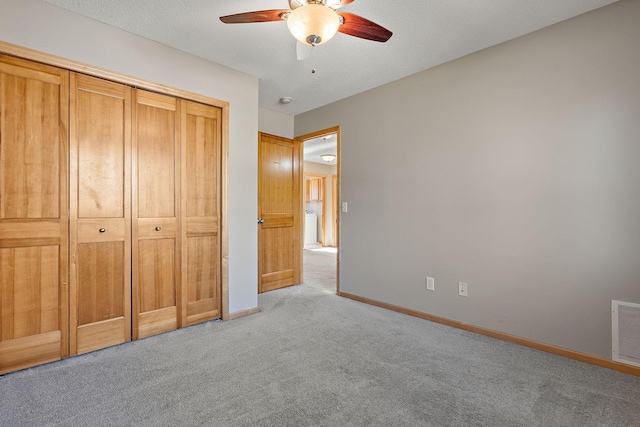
pixel 625 319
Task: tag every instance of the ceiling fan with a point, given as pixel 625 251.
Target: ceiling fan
pixel 314 22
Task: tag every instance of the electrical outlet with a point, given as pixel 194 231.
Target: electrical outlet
pixel 462 289
pixel 431 284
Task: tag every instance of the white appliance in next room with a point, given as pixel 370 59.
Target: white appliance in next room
pixel 310 229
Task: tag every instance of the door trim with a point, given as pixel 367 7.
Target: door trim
pixel 90 70
pixel 335 207
pixel 302 138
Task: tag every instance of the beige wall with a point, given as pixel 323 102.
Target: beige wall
pixel 275 123
pixel 515 169
pixel 328 171
pixel 46 28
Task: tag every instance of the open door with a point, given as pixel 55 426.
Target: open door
pixel 279 207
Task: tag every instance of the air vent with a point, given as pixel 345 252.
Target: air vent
pixel 625 320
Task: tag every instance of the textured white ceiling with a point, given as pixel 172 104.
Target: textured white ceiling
pixel 426 33
pixel 314 148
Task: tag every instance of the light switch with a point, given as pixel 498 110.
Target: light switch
pixel 344 207
pixel 431 284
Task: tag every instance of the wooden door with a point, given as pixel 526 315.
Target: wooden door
pixel 33 214
pixel 100 214
pixel 279 244
pixel 156 195
pixel 201 134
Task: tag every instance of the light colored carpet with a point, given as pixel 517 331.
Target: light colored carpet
pixel 311 358
pixel 320 269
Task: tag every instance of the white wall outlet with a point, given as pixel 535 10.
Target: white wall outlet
pixel 462 289
pixel 344 207
pixel 431 284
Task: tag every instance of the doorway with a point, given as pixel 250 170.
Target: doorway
pixel 320 201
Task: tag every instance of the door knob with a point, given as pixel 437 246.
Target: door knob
pixel 260 221
pixel 102 230
pixel 158 228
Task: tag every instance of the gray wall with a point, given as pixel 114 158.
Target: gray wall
pixel 515 169
pixel 41 26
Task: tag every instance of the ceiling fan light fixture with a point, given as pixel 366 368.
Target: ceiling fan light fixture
pixel 313 24
pixel 328 157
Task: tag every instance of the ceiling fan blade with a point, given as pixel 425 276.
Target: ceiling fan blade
pixel 257 16
pixel 303 51
pixel 358 26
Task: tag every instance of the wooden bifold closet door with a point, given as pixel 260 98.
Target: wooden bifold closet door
pixel 110 213
pixel 100 214
pixel 201 132
pixel 156 202
pixel 33 214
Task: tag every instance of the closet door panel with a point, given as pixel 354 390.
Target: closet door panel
pixel 33 220
pixel 29 293
pixel 101 315
pixel 201 143
pixel 156 275
pixel 100 214
pixel 30 161
pixel 100 271
pixel 100 152
pixel 156 269
pixel 156 156
pixel 202 272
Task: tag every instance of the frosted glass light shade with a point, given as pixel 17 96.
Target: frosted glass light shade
pixel 313 24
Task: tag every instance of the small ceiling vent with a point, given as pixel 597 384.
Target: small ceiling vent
pixel 625 320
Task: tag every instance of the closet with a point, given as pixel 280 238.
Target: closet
pixel 109 213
